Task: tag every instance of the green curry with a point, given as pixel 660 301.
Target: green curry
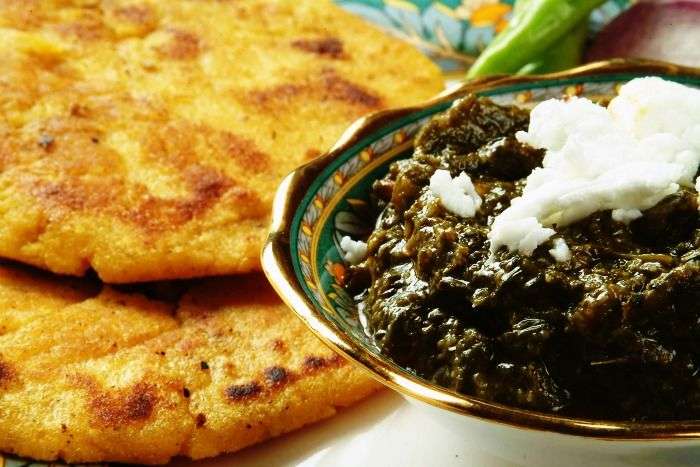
pixel 612 333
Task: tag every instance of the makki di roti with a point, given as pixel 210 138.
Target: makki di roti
pixel 145 139
pixel 91 373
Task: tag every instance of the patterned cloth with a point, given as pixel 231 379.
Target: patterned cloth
pixel 453 32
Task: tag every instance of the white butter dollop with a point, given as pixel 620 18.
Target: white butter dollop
pixel 457 195
pixel 625 158
pixel 626 215
pixel 560 252
pixel 354 251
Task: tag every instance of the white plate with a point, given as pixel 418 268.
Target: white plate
pixel 384 430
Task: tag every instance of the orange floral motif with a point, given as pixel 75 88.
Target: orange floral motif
pixel 366 155
pixel 399 137
pixel 523 97
pixel 575 90
pixel 484 13
pixel 307 228
pixel 337 270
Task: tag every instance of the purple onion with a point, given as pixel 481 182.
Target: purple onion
pixel 660 30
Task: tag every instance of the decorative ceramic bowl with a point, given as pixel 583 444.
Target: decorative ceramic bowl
pixel 321 202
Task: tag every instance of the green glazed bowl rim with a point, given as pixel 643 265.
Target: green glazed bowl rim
pixel 277 264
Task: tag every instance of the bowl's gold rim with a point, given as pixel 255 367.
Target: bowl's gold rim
pixel 277 266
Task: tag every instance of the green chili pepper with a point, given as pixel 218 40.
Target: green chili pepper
pixel 534 29
pixel 566 54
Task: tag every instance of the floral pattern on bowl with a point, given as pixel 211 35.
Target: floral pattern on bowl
pixel 453 32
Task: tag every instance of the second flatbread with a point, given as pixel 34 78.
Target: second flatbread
pixel 89 375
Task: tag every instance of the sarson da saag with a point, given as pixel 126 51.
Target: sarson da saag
pixel 599 320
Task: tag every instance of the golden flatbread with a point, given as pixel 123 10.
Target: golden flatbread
pixel 145 138
pixel 108 375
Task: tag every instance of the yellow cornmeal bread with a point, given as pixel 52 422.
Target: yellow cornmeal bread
pixel 89 373
pixel 145 139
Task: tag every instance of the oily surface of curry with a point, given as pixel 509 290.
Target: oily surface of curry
pixel 612 333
